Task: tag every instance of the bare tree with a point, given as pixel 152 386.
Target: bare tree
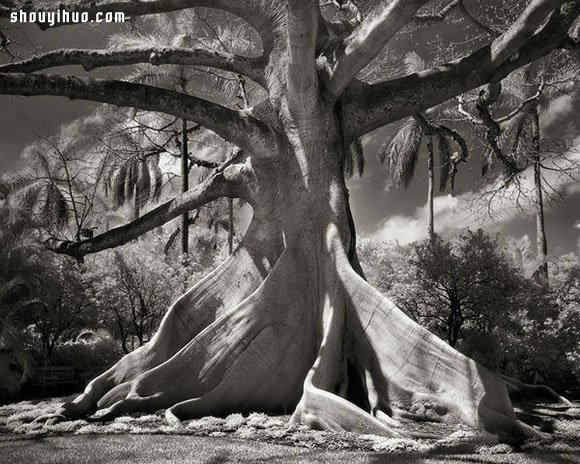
pixel 517 141
pixel 286 321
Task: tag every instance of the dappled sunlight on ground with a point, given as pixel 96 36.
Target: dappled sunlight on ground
pixel 17 421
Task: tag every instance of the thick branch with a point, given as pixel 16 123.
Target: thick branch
pixel 237 127
pixel 368 39
pixel 521 31
pixel 303 16
pixel 438 17
pixel 92 59
pixel 255 12
pixel 368 107
pixel 220 184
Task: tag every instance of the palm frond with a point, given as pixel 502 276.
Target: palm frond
pixel 414 63
pixel 119 194
pixel 444 148
pixel 143 185
pixel 486 161
pixel 157 179
pixel 56 207
pixel 38 159
pixel 354 161
pixel 400 154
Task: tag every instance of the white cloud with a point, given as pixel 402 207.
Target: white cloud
pixel 484 208
pixel 407 229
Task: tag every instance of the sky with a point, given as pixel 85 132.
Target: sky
pixel 396 214
pixel 379 212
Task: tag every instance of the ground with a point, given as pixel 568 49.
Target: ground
pixel 258 438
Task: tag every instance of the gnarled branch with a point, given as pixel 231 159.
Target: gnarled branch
pixel 369 38
pixel 224 182
pixel 368 107
pixel 238 127
pixel 92 59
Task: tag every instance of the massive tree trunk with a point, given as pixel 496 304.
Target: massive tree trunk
pixel 287 322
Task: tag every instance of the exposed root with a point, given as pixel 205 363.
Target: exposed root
pixel 252 357
pixel 50 419
pixel 341 354
pixel 520 390
pixel 224 288
pixel 319 407
pixel 417 375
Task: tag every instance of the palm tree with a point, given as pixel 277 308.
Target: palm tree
pixel 401 152
pixel 23 280
pixel 135 180
pixel 177 30
pixel 58 187
pixel 533 89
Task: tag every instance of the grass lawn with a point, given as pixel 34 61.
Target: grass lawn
pixel 146 438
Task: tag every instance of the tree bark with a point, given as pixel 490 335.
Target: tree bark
pixel 430 189
pixel 230 226
pixel 184 187
pixel 542 243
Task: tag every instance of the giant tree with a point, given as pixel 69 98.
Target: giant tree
pixel 288 322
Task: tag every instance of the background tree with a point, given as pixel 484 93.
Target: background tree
pixel 401 153
pixel 465 284
pixel 59 186
pixel 21 281
pixel 259 334
pixel 514 332
pixel 516 141
pixel 134 289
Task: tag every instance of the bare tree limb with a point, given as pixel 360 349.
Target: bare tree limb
pixel 526 104
pixel 521 31
pixel 224 182
pixel 490 30
pixel 368 107
pixel 369 38
pixel 443 14
pixel 92 59
pixel 435 18
pixel 238 127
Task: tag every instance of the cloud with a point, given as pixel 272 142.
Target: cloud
pixel 408 229
pixel 489 207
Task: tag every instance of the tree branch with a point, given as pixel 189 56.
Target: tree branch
pixel 92 59
pixel 368 107
pixel 224 182
pixel 238 127
pixel 521 31
pixel 368 39
pixel 261 17
pixel 526 104
pixel 437 17
pixel 303 19
pixel 442 15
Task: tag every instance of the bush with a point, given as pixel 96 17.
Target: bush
pixel 87 355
